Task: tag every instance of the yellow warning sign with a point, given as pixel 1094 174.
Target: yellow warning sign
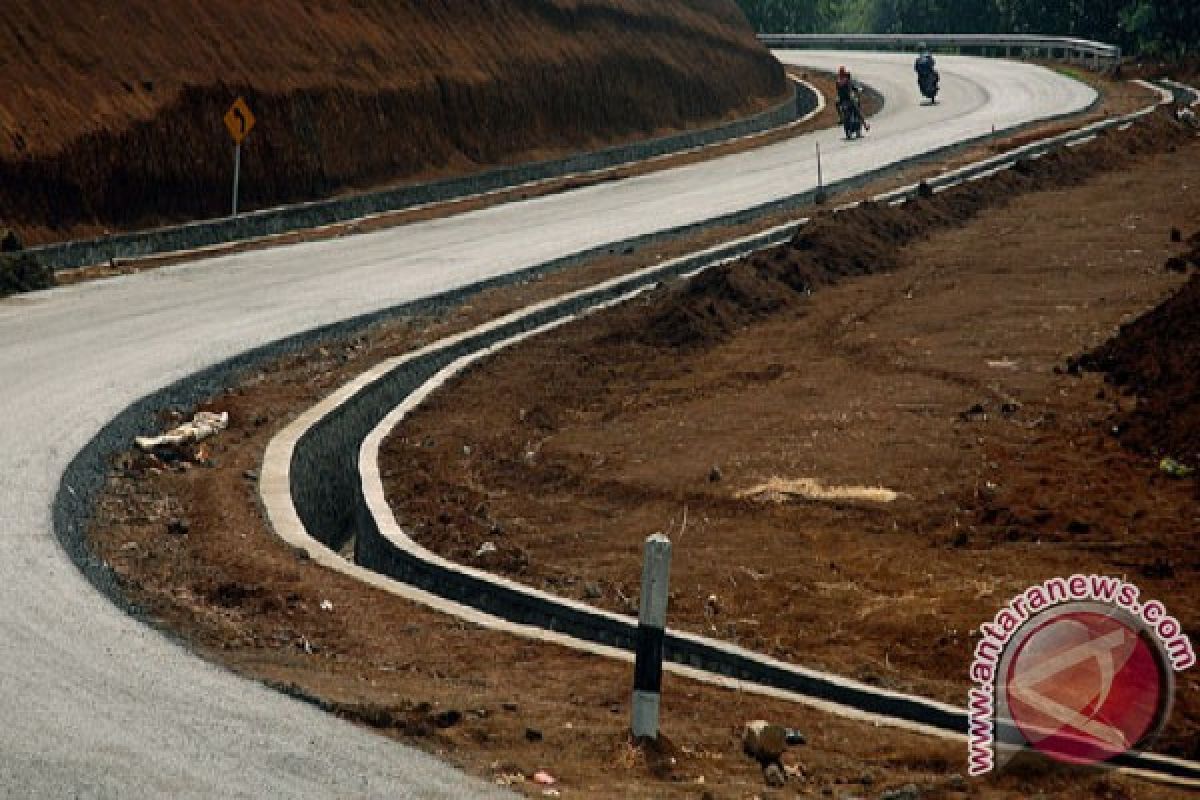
pixel 239 119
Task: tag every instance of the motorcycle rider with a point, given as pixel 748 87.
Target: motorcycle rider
pixel 925 65
pixel 848 91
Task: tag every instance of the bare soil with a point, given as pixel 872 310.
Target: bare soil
pixel 883 347
pixel 111 114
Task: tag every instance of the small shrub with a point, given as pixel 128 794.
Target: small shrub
pixel 21 272
pixel 9 241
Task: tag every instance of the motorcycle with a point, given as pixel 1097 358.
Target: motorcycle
pixel 927 82
pixel 852 119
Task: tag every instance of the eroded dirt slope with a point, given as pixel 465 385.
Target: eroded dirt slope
pixel 110 113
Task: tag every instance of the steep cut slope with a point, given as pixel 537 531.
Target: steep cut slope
pixel 110 114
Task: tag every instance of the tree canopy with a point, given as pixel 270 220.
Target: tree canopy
pixel 1159 27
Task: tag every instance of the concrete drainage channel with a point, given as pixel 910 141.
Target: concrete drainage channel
pixel 804 103
pixel 315 464
pixel 321 487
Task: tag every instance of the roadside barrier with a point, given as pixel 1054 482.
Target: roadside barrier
pixel 1096 55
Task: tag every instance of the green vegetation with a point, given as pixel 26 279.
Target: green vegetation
pixel 1158 27
pixel 21 272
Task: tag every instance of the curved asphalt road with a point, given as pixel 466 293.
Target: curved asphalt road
pixel 92 703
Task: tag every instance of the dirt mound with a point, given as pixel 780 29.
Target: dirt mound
pixel 1155 357
pixel 111 115
pixel 712 306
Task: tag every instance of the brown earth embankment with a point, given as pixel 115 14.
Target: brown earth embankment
pixel 111 114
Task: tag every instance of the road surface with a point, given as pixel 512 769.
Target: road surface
pixel 96 705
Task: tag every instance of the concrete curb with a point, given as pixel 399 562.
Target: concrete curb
pixel 272 222
pixel 84 478
pixel 312 490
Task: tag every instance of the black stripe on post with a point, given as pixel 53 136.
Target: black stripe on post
pixel 648 669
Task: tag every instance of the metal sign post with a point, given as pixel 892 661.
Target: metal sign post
pixel 239 120
pixel 237 170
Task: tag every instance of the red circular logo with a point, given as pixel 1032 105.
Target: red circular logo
pixel 1085 686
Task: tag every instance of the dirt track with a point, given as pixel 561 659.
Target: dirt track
pixel 869 381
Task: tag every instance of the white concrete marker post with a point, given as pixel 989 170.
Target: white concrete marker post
pixel 652 623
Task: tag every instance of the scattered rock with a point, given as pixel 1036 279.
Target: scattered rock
pixel 976 413
pixel 794 737
pixel 908 791
pixel 1176 264
pixel 447 719
pixel 533 735
pixel 592 590
pixel 774 775
pixel 544 778
pixel 178 526
pixel 1176 235
pixel 763 741
pixel 327 605
pixel 203 425
pixel 714 475
pixel 1175 469
pixel 712 605
pixel 924 190
pixel 250 475
pixel 509 706
pixel 485 549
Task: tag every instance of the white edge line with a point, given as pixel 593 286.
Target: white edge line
pixel 1164 95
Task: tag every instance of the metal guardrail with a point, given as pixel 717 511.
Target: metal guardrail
pixel 1097 55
